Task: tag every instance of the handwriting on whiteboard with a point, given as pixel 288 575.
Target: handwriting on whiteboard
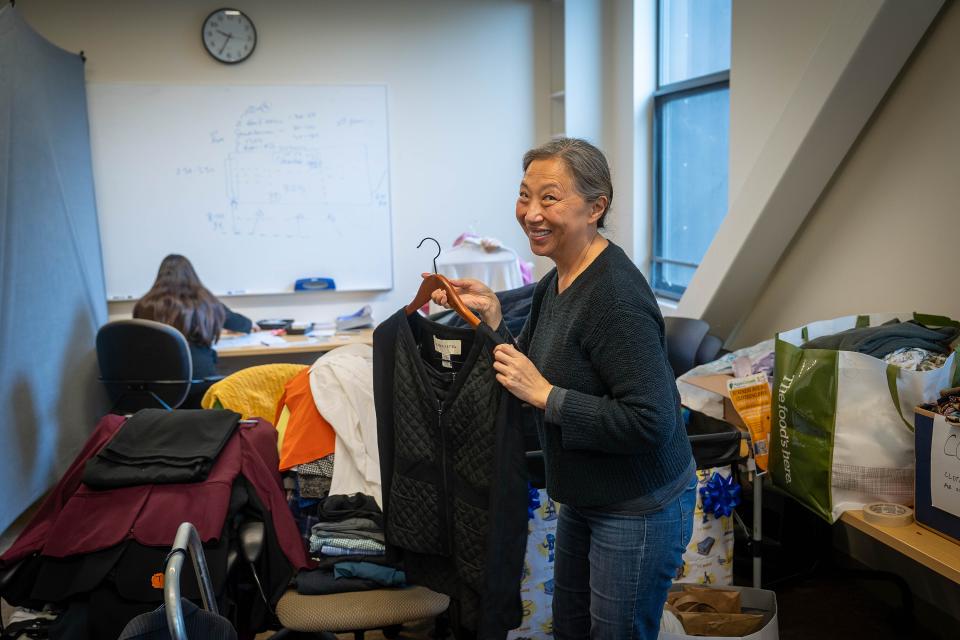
pixel 287 173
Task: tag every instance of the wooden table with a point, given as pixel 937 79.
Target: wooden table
pixel 295 349
pixel 923 546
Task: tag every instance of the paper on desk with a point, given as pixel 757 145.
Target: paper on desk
pixel 259 339
pixel 296 343
pixel 322 329
pixel 945 466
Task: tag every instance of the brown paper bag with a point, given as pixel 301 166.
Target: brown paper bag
pixel 705 599
pixel 725 625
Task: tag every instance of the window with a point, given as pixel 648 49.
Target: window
pixel 691 137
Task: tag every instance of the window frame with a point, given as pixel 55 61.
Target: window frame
pixel 716 81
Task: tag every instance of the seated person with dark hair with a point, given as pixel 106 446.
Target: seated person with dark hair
pixel 179 299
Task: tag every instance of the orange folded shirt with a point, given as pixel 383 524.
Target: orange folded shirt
pixel 303 434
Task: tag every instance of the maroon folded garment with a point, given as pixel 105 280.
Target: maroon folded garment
pixel 76 519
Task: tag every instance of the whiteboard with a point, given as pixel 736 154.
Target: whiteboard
pixel 257 185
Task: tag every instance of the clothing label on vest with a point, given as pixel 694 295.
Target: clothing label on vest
pixel 447 348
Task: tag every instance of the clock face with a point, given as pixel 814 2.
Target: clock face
pixel 229 36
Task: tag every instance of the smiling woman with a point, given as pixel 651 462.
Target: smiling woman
pixel 592 359
pixel 564 198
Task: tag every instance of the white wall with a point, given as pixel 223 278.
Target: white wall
pixel 584 55
pixel 883 236
pixel 644 86
pixel 600 83
pixel 468 94
pixel 620 122
pixel 844 79
pixel 771 44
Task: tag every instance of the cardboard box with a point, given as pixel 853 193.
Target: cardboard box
pixel 927 515
pixel 752 601
pixel 717 383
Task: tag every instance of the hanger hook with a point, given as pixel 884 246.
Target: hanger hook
pixel 439 250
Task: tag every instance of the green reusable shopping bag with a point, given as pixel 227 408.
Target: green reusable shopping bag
pixel 842 433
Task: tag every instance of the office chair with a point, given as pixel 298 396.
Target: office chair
pixel 361 611
pixel 710 349
pixel 689 343
pixel 144 364
pixel 684 336
pixel 321 616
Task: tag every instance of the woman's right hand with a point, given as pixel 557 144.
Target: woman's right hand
pixel 475 295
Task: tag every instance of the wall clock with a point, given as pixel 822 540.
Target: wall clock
pixel 229 36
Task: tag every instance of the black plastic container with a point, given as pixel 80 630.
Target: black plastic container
pixel 715 443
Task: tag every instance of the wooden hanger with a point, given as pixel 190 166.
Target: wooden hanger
pixel 431 284
pixel 437 281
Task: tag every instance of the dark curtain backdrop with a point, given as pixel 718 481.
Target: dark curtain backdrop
pixel 52 297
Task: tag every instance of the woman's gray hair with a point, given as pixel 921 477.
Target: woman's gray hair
pixel 591 174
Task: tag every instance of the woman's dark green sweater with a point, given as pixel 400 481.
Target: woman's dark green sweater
pixel 612 431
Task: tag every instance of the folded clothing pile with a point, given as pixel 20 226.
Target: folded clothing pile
pixel 888 338
pixel 156 446
pixel 314 478
pixel 948 405
pixel 95 551
pixel 307 510
pixel 345 577
pixel 347 544
pixel 712 611
pixel 348 526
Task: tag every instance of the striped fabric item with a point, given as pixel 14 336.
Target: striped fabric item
pixel 356 545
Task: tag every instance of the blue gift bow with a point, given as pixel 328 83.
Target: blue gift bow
pixel 533 501
pixel 720 496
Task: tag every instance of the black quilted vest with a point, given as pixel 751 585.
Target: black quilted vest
pixel 453 472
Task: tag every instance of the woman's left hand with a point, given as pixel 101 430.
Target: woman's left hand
pixel 518 374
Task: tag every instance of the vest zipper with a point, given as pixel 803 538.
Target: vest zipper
pixel 444 502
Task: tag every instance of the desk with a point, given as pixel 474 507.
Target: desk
pixel 294 349
pixel 920 545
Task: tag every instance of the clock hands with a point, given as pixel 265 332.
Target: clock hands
pixel 237 36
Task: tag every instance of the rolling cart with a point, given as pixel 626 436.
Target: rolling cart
pixel 186 540
pixel 717 443
pixel 169 621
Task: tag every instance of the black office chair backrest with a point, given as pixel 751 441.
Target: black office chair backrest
pixel 144 364
pixel 684 336
pixel 710 349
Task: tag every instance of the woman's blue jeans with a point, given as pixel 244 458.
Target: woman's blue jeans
pixel 613 571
